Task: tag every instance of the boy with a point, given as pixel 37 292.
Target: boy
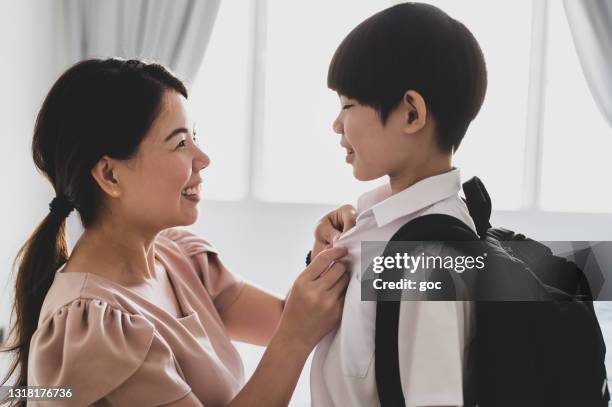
pixel 410 80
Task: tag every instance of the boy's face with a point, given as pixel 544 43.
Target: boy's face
pixel 374 149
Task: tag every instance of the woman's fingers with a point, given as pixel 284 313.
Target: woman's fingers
pixel 329 278
pixel 326 233
pixel 332 225
pixel 323 261
pixel 314 306
pixel 348 217
pixel 339 288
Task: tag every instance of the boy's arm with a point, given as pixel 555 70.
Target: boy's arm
pixel 430 336
pixel 431 351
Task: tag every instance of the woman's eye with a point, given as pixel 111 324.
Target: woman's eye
pixel 181 144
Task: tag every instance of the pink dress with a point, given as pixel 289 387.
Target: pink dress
pixel 114 347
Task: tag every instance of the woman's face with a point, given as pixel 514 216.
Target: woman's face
pixel 160 186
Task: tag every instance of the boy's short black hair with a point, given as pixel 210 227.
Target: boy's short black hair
pixel 414 46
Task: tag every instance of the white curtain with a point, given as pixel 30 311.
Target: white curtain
pixel 591 24
pixel 172 32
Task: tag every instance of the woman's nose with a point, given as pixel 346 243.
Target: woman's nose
pixel 201 161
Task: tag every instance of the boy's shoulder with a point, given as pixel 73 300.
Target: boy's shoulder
pixel 435 227
pixel 448 219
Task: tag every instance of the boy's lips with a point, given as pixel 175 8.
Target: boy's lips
pixel 350 154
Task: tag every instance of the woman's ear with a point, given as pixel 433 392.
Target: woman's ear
pixel 105 174
pixel 415 111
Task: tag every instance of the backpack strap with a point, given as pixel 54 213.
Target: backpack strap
pixel 434 227
pixel 478 203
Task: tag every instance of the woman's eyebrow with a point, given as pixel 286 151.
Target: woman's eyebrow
pixel 176 132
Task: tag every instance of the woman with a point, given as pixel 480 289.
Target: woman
pixel 141 313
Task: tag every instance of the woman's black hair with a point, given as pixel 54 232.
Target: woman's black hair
pixel 414 46
pixel 97 107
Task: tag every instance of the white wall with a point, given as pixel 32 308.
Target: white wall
pixel 26 71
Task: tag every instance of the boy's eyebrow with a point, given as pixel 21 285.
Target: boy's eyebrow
pixel 176 132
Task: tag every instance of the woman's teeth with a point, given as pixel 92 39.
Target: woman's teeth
pixel 192 191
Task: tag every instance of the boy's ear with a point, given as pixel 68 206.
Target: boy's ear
pixel 414 111
pixel 105 174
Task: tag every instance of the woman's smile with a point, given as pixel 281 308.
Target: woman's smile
pixel 192 193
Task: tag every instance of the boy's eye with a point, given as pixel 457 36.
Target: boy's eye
pixel 344 107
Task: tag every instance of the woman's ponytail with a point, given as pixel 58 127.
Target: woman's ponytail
pixel 36 262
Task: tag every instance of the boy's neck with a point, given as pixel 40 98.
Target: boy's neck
pixel 409 176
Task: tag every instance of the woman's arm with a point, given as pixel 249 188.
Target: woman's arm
pixel 313 308
pixel 276 376
pixel 254 316
pixel 272 383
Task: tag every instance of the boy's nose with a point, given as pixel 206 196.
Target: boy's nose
pixel 338 126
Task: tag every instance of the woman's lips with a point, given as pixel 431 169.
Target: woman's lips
pixel 192 198
pixel 192 193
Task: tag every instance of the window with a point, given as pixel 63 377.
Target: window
pixel 494 146
pixel 220 101
pixel 269 134
pixel 302 160
pixel 576 138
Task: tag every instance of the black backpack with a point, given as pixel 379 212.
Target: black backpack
pixel 523 353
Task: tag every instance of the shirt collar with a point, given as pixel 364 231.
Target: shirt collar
pixel 387 208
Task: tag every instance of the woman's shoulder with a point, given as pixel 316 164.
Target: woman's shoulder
pixel 186 248
pixel 69 287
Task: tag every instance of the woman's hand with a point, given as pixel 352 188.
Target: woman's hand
pixel 314 304
pixel 313 308
pixel 331 225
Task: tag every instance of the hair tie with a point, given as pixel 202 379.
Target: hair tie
pixel 60 207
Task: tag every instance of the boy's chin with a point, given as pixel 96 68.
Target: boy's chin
pixel 361 175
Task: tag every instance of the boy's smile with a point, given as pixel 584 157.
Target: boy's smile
pixel 350 153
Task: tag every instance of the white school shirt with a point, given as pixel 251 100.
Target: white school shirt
pixel 432 334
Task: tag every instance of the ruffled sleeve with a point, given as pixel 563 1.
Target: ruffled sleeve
pixel 222 285
pixel 103 353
